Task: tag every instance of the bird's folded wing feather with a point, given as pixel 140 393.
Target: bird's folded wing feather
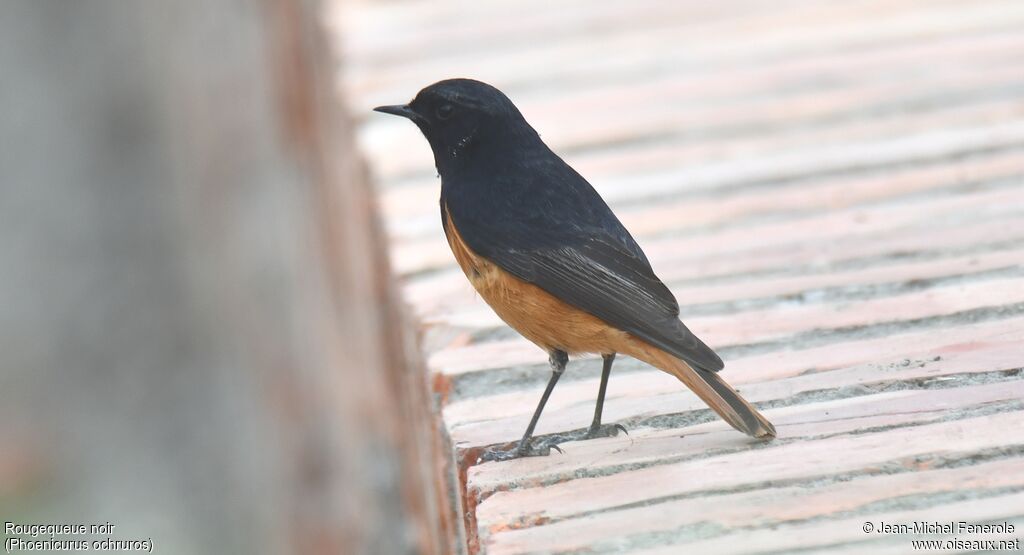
pixel 598 270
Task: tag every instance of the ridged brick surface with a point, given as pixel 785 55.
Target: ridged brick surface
pixel 835 194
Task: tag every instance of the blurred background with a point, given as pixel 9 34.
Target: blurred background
pixel 201 344
pixel 229 322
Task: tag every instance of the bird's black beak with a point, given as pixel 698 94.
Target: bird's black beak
pixel 403 110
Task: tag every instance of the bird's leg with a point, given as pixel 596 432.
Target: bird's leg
pixel 596 429
pixel 558 360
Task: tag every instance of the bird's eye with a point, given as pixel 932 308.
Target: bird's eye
pixel 445 111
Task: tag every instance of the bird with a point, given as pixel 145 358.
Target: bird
pixel 545 251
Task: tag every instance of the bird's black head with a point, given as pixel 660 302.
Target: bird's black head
pixel 463 120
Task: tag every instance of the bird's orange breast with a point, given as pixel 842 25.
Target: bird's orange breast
pixel 539 316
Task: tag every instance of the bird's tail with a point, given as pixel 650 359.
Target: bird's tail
pixel 713 390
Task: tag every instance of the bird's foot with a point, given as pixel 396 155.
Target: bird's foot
pixel 541 447
pixel 593 432
pixel 605 430
pixel 521 449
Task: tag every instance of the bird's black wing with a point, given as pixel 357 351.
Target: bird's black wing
pixel 563 238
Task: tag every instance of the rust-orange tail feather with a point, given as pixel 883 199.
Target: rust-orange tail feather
pixel 711 388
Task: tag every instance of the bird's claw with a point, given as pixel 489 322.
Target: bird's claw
pixel 606 430
pixel 543 449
